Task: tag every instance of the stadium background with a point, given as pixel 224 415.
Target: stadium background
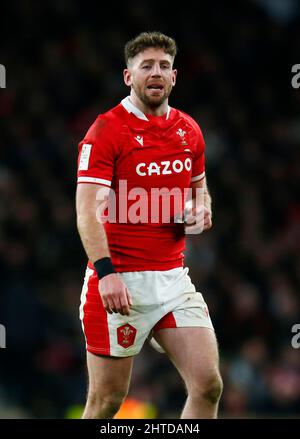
pixel 64 62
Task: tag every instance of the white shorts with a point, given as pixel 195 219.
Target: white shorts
pixel 161 299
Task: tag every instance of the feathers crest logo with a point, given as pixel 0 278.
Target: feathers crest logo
pixel 181 133
pixel 126 335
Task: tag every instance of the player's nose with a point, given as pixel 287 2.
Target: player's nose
pixel 156 71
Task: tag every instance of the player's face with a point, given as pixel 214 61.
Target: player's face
pixel 151 75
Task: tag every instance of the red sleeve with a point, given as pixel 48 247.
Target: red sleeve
pixel 97 153
pixel 198 171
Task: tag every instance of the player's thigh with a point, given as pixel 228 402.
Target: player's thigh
pixel 194 352
pixel 108 375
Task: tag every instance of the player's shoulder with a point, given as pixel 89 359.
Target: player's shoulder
pixel 106 122
pixel 113 115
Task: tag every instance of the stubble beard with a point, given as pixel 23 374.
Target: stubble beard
pixel 152 102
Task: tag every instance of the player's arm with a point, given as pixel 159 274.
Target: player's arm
pixel 89 205
pixel 97 153
pixel 198 210
pixel 91 231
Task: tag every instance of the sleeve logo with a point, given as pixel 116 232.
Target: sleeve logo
pixel 85 157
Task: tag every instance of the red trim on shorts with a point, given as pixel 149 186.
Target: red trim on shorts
pixel 95 320
pixel 168 321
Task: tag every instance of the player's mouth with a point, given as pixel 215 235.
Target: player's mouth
pixel 155 87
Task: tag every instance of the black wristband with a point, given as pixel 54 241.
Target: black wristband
pixel 104 267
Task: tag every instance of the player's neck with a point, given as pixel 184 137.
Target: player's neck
pixel 158 111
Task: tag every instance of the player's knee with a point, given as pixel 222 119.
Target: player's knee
pixel 212 389
pixel 105 406
pixel 208 388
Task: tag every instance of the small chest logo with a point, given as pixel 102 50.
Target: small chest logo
pixel 181 133
pixel 126 335
pixel 140 140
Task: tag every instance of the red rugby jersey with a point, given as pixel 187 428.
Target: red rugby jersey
pixel 145 153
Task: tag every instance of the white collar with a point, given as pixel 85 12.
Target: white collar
pixel 128 105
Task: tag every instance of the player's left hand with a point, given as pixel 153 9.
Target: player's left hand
pixel 197 219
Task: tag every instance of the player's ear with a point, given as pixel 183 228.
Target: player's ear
pixel 127 77
pixel 174 76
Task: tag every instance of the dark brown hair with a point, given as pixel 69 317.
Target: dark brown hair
pixel 149 39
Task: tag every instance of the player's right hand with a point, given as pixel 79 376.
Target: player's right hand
pixel 114 294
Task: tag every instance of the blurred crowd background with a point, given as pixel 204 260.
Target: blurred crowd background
pixel 64 62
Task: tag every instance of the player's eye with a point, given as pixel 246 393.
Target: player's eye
pixel 146 66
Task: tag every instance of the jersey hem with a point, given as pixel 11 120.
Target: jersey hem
pixel 125 268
